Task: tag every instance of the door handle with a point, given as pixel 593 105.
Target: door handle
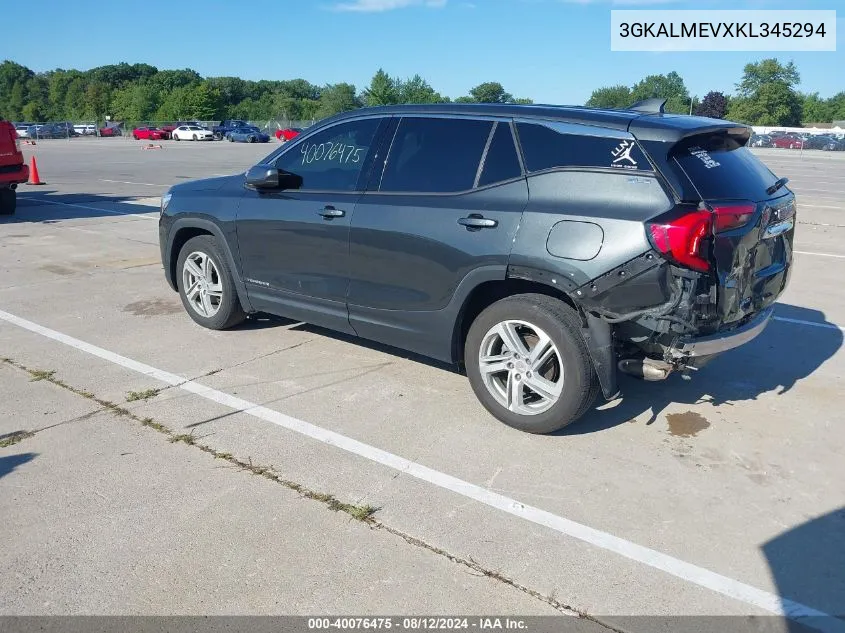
pixel 330 212
pixel 478 221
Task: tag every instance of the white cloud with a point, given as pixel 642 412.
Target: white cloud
pixel 376 6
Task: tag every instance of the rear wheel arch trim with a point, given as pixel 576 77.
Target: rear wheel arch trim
pixel 205 226
pixel 473 283
pixel 598 334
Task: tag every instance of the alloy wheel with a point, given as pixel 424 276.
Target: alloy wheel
pixel 202 284
pixel 521 367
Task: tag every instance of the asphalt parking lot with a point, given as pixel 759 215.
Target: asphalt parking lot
pixel 279 468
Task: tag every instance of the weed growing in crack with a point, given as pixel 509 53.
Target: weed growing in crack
pixel 146 394
pixel 40 374
pixel 10 439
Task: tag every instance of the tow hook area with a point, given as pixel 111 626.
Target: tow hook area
pixel 650 369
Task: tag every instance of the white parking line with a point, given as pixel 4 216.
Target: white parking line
pixel 82 206
pixel 827 326
pixel 126 182
pixel 680 569
pixel 802 205
pixel 819 254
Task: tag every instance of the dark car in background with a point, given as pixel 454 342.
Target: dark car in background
pixel 823 142
pixel 250 134
pixel 760 140
pixel 222 131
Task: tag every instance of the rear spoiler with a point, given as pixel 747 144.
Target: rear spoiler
pixel 674 128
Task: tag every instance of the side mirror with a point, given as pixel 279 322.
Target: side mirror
pixel 263 177
pixel 266 177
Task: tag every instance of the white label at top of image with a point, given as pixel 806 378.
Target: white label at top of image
pixel 718 30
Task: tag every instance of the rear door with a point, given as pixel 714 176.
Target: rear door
pixel 439 218
pixel 754 222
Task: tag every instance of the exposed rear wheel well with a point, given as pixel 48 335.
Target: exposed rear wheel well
pixel 179 240
pixel 487 294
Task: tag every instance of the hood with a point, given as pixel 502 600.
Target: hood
pixel 207 184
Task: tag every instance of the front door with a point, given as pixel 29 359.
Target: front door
pixel 294 244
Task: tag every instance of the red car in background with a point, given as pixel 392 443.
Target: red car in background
pixel 150 134
pixel 788 141
pixel 13 170
pixel 288 134
pixel 111 130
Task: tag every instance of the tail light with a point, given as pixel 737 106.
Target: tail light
pixel 733 216
pixel 682 239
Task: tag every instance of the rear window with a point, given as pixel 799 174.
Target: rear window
pixel 719 166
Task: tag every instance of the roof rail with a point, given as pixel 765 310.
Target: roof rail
pixel 652 106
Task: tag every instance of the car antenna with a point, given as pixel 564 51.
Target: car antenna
pixel 651 106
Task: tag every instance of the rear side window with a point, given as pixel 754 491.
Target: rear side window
pixel 547 148
pixel 435 155
pixel 501 162
pixel 719 166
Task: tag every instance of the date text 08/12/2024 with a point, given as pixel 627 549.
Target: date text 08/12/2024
pixel 418 623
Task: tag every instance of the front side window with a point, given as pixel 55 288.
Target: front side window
pixel 434 155
pixel 332 159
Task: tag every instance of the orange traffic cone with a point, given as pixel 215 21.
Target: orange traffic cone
pixel 33 173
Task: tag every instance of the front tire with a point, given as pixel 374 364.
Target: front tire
pixel 206 285
pixel 528 363
pixel 8 201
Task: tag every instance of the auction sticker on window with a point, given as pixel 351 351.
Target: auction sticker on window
pixel 722 30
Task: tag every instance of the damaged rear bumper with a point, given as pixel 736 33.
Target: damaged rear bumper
pixel 702 346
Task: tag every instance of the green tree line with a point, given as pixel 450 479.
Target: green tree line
pixel 140 92
pixel 766 95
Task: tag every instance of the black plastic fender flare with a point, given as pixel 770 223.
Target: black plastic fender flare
pixel 209 227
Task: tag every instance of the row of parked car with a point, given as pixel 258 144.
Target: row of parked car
pixel 795 140
pixel 231 130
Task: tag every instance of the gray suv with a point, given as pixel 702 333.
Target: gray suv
pixel 542 249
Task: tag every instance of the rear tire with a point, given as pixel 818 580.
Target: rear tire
pixel 222 311
pixel 567 376
pixel 8 201
pixel 176 137
pixel 195 137
pixel 218 136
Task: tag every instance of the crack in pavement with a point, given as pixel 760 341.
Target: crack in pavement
pixel 364 514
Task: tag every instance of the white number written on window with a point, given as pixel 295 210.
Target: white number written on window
pixel 328 151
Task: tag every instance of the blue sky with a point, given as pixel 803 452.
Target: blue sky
pixel 553 51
